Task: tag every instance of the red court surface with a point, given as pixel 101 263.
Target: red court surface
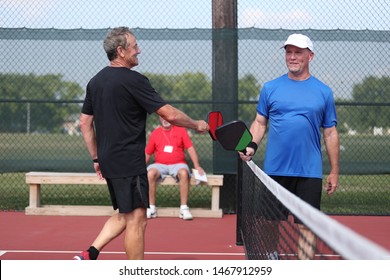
pixel 25 237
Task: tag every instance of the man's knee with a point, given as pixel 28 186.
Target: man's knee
pixel 153 174
pixel 137 216
pixel 183 174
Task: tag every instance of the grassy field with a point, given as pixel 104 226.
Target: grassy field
pixel 364 183
pixel 368 194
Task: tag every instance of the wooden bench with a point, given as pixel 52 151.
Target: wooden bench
pixel 36 179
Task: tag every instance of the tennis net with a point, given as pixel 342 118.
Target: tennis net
pixel 267 233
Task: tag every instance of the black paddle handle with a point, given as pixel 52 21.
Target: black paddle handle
pixel 252 145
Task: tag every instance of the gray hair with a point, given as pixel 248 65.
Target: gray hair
pixel 114 39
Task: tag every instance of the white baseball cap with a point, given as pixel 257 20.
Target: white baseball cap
pixel 300 41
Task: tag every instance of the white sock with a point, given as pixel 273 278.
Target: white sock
pixel 183 206
pixel 152 207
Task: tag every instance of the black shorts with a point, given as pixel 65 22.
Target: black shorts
pixel 129 193
pixel 308 189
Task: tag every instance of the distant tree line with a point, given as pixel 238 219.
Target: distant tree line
pixel 22 107
pixel 44 103
pixel 372 108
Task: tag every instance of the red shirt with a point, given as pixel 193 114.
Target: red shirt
pixel 160 140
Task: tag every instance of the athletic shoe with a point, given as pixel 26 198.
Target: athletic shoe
pixel 185 214
pixel 84 256
pixel 151 213
pixel 273 255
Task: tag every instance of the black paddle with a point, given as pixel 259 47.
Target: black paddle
pixel 234 136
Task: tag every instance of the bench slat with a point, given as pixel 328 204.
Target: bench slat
pixel 83 210
pixel 63 178
pixel 91 178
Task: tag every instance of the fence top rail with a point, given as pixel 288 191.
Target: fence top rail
pixel 179 34
pixel 92 179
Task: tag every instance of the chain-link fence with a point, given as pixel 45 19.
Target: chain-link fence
pixel 47 60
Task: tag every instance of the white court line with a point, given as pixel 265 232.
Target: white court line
pixel 191 253
pixel 108 252
pixel 150 253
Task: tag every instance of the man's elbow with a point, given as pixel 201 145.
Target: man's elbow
pixel 168 113
pixel 86 122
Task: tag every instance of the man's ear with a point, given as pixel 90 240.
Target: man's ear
pixel 311 56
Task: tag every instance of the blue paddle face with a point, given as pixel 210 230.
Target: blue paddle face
pixel 234 136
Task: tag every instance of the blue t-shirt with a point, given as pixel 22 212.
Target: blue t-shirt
pixel 296 111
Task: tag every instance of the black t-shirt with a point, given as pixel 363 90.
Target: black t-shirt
pixel 119 99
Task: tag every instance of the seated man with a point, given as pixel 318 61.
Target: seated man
pixel 167 143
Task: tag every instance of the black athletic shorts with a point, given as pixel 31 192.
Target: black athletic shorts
pixel 308 189
pixel 129 193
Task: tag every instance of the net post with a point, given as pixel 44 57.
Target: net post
pixel 239 241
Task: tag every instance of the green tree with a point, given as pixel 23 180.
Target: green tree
pixel 186 91
pixel 193 89
pixel 343 114
pixel 248 90
pixel 36 99
pixel 163 84
pixel 371 90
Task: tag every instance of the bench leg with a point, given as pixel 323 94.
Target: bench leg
pixel 35 195
pixel 215 198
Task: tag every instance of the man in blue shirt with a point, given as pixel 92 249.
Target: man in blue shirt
pixel 297 106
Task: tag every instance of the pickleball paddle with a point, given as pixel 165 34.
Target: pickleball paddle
pixel 214 120
pixel 234 136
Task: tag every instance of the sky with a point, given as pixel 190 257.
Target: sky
pixel 338 68
pixel 315 14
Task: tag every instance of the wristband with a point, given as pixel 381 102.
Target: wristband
pixel 253 145
pixel 95 160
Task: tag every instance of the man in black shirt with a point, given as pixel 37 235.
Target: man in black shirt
pixel 113 122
